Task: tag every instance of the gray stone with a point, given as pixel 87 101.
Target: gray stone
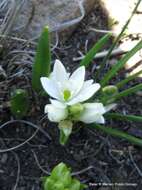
pixel 4 158
pixel 58 15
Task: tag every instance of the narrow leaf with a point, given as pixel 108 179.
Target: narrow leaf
pixel 129 78
pixel 41 67
pixel 112 72
pixel 122 117
pixel 95 49
pixel 118 133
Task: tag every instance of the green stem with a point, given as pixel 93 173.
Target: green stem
pixel 122 117
pixel 118 133
pixel 129 78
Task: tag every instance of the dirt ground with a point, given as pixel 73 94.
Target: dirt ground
pixel 95 158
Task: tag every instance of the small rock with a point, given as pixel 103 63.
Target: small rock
pixel 1 171
pixel 139 93
pixel 4 158
pixel 57 15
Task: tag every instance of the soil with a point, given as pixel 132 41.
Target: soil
pixel 96 159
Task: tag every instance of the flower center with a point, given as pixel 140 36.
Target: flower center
pixel 66 94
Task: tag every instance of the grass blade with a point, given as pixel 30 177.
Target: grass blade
pixel 112 72
pixel 122 117
pixel 118 133
pixel 118 38
pixel 91 54
pixel 129 78
pixel 41 67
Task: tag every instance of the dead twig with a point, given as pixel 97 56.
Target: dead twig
pixel 31 137
pixel 102 54
pixel 38 164
pixel 82 171
pixel 18 171
pixel 134 163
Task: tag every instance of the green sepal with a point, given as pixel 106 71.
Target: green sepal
pixel 65 131
pixel 48 184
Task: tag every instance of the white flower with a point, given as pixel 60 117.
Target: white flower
pixel 93 112
pixel 66 88
pixel 56 111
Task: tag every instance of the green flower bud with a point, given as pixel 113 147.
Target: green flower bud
pixel 76 109
pixel 19 103
pixel 110 90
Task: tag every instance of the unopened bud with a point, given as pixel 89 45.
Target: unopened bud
pixel 76 109
pixel 110 90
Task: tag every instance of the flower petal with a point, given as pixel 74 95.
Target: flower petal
pixel 93 119
pixel 50 87
pixel 58 104
pixel 59 73
pixel 55 114
pixel 87 83
pixel 99 119
pixel 110 107
pixel 85 93
pixel 77 78
pixel 93 113
pixel 94 108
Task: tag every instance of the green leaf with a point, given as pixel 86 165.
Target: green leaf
pixel 112 72
pixel 61 179
pixel 59 186
pixel 41 67
pixel 122 117
pixel 118 133
pixel 125 93
pixel 61 173
pixel 94 50
pixel 75 185
pixel 19 103
pixel 129 78
pixel 48 184
pixel 118 38
pixel 58 171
